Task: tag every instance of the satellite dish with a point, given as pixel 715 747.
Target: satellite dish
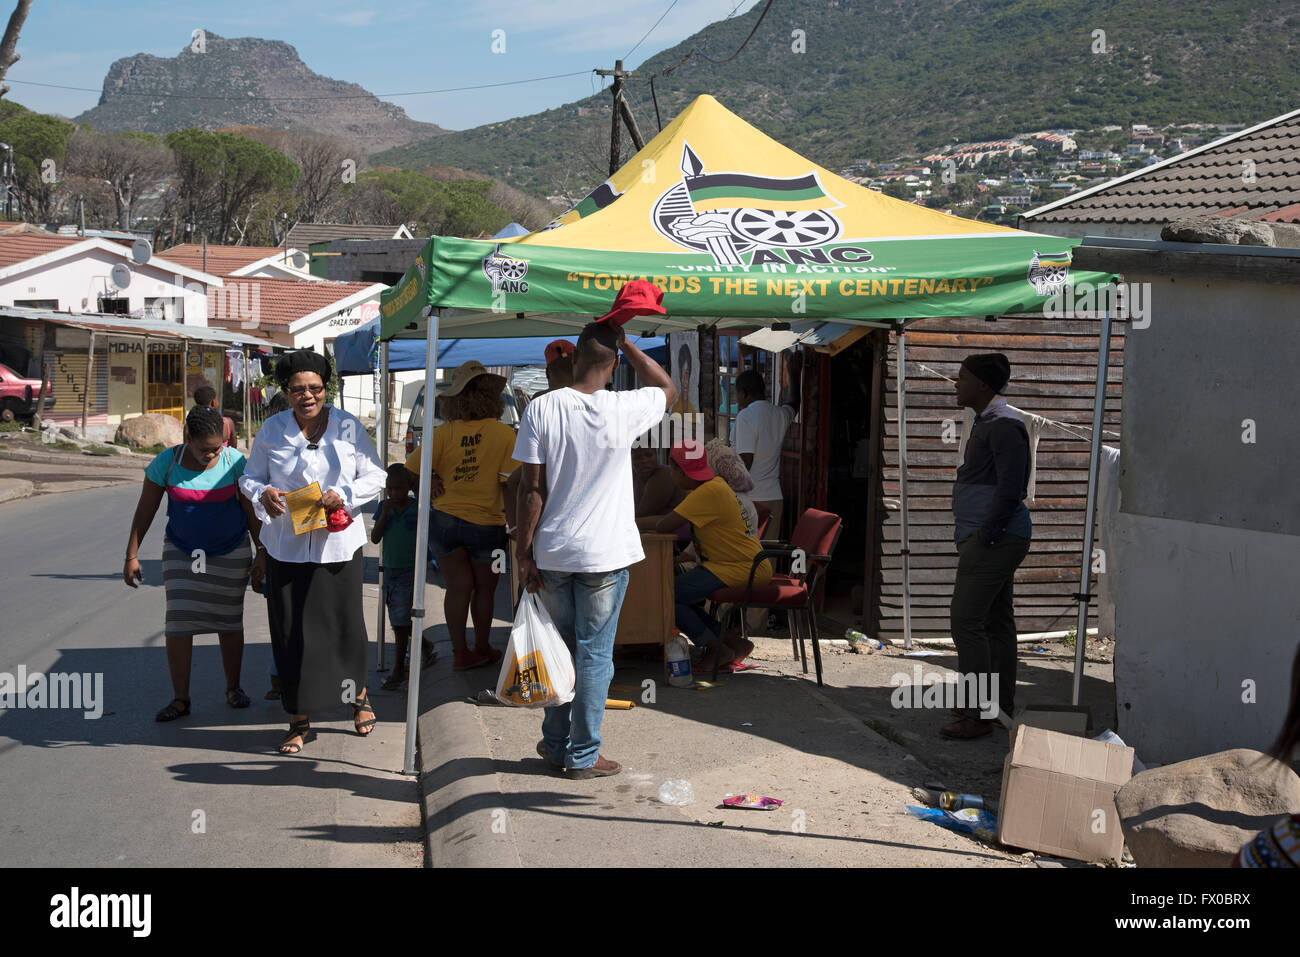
pixel 141 251
pixel 300 259
pixel 121 276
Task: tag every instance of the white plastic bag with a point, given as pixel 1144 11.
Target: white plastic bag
pixel 537 670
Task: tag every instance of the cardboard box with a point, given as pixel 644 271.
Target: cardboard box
pixel 1058 794
pixel 1065 718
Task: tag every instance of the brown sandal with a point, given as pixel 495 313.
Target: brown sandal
pixel 357 708
pixel 297 729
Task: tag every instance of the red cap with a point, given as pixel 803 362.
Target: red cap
pixel 558 349
pixel 639 297
pixel 690 458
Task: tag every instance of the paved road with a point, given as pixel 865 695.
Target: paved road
pixel 124 790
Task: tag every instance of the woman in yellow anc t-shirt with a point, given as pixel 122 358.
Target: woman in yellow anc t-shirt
pixel 467 529
pixel 727 546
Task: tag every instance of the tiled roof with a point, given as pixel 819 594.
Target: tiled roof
pixel 276 303
pixel 222 260
pixel 1255 172
pixel 304 234
pixel 16 247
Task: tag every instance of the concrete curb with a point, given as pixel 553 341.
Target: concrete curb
pixel 135 462
pixel 11 489
pixel 460 794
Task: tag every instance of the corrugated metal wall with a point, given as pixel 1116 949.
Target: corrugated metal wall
pixel 1053 373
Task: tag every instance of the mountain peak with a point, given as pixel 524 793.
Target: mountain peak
pixel 216 82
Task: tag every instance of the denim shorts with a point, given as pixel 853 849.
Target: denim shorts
pixel 448 533
pixel 399 592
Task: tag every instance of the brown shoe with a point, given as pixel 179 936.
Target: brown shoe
pixel 541 751
pixel 967 728
pixel 603 768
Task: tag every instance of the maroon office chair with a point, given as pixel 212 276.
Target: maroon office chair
pixel 809 552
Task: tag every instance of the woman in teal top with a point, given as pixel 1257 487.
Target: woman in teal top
pixel 206 556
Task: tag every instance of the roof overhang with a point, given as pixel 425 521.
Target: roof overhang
pixel 142 328
pixel 325 312
pixel 117 250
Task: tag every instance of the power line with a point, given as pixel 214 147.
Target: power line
pixel 696 50
pixel 628 54
pixel 747 39
pixel 342 96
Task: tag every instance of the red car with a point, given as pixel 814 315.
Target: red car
pixel 18 394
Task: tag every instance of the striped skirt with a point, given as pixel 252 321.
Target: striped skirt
pixel 205 597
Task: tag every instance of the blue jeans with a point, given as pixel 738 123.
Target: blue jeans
pixel 584 607
pixel 688 591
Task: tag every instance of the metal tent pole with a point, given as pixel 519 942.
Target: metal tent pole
pixel 905 550
pixel 381 433
pixel 1094 455
pixel 248 410
pixel 421 544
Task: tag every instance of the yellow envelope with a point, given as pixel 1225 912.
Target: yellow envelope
pixel 305 508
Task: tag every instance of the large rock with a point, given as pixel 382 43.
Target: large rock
pixel 1198 813
pixel 152 428
pixel 1219 229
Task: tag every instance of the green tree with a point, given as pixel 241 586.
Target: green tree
pixel 39 143
pixel 128 163
pixel 227 180
pixel 457 208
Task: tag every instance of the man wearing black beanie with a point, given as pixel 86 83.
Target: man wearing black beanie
pixel 992 534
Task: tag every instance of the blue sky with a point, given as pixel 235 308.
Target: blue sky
pixel 398 47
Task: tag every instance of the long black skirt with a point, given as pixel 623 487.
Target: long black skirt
pixel 318 632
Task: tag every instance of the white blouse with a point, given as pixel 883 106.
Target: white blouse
pixel 345 460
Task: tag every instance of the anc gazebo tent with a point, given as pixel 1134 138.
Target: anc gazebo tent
pixel 738 230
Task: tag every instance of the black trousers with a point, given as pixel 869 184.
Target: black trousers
pixel 982 615
pixel 318 632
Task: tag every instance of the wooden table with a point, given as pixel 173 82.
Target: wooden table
pixel 648 615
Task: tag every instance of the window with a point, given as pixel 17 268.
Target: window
pixel 115 307
pixel 37 303
pixel 379 275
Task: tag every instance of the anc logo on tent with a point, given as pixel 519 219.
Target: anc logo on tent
pixel 1048 272
pixel 506 274
pixel 727 214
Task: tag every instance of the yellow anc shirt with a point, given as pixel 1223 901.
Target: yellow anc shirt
pixel 470 458
pixel 718 529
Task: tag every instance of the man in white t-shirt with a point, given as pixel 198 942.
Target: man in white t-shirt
pixel 759 433
pixel 577 531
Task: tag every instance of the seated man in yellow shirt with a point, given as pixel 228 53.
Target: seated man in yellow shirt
pixel 467 529
pixel 726 547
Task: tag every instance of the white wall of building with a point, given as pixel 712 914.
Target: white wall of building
pixel 77 283
pixel 1207 542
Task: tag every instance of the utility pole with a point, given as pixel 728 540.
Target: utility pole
pixel 623 113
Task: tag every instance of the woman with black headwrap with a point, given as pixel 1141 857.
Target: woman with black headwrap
pixel 206 556
pixel 313 591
